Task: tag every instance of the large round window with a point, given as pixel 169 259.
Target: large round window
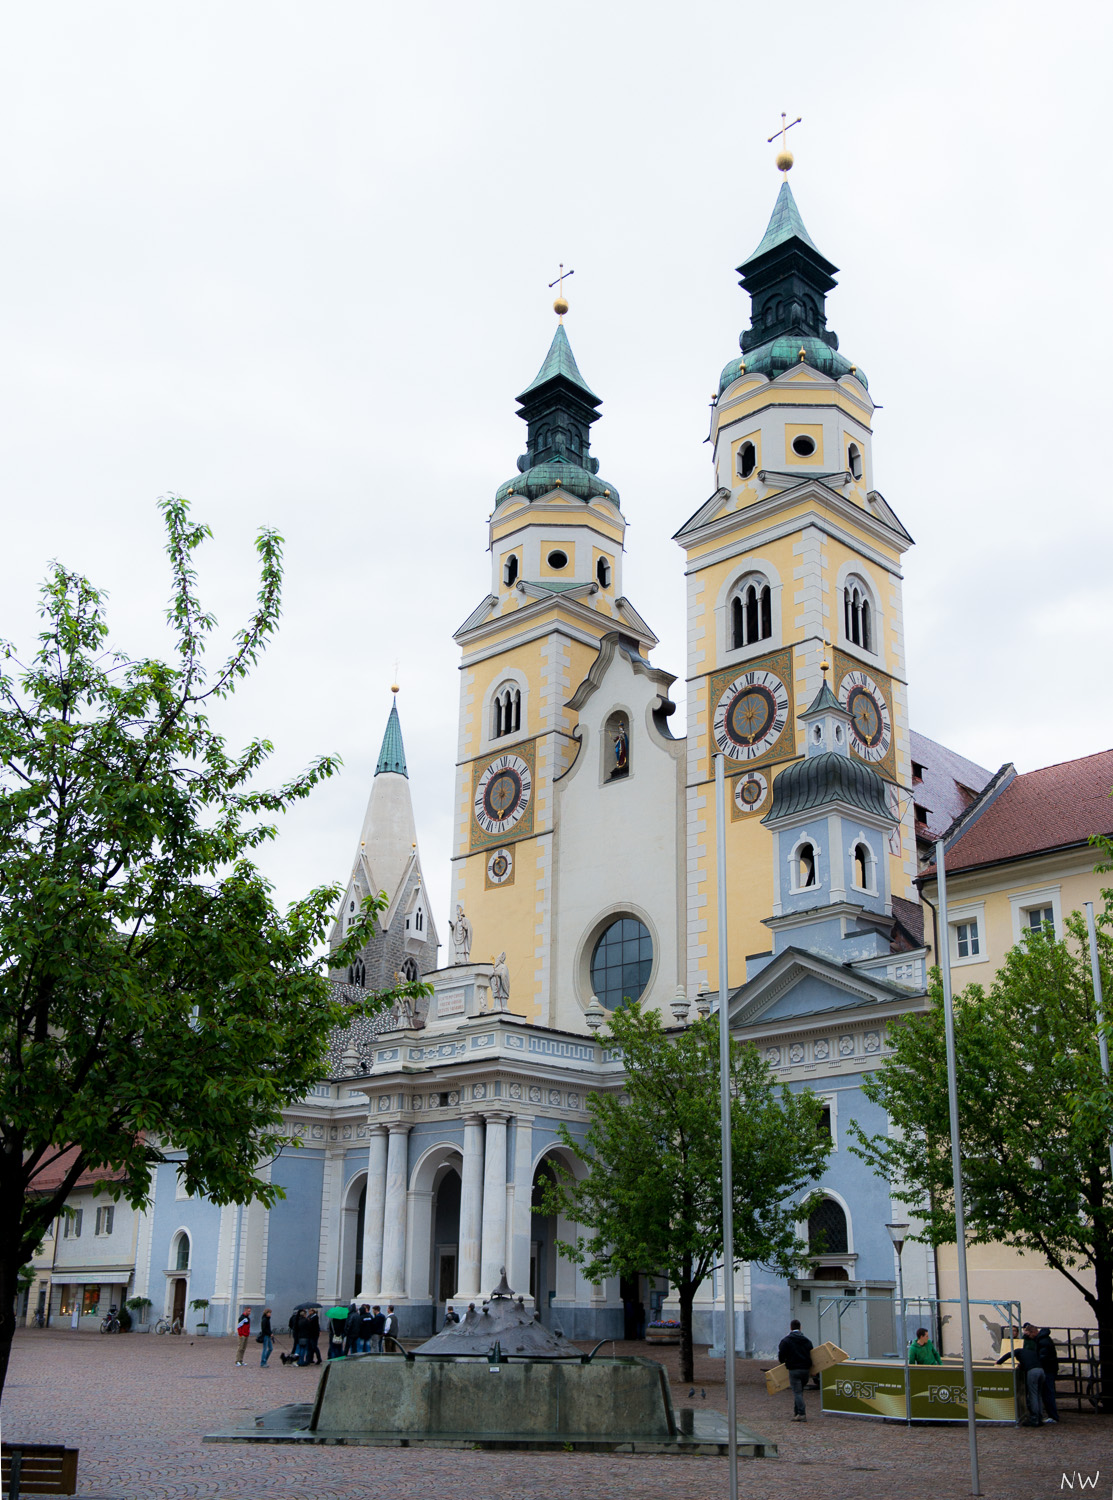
pixel 622 962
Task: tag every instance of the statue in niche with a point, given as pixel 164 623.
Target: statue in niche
pixel 619 731
pixel 461 937
pixel 500 984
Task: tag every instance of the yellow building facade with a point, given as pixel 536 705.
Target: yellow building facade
pixel 795 559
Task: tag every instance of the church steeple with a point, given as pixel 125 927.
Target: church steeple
pixel 788 279
pixel 392 756
pixel 388 837
pixel 558 407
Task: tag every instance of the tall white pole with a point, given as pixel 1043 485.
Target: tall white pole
pixel 956 1168
pixel 724 1125
pixel 1095 972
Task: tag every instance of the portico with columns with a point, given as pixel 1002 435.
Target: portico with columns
pixel 463 1114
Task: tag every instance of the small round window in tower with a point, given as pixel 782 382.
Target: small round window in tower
pixel 854 461
pixel 747 460
pixel 803 445
pixel 622 962
pixel 557 559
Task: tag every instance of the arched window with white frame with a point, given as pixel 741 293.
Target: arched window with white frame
pixel 751 612
pixel 803 864
pixel 858 614
pixel 506 710
pixel 862 866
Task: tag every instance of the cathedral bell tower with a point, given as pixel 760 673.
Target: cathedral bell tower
pixel 795 548
pixel 533 654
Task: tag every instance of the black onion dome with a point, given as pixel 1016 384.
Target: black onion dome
pixel 820 779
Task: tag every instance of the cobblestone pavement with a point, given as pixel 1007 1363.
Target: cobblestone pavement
pixel 137 1405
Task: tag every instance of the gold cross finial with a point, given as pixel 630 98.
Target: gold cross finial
pixel 560 306
pixel 784 155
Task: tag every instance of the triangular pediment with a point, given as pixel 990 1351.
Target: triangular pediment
pixel 798 985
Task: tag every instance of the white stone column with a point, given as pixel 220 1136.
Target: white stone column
pixel 521 1219
pixel 494 1203
pixel 374 1205
pixel 471 1208
pixel 394 1226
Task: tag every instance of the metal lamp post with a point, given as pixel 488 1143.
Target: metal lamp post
pixel 898 1233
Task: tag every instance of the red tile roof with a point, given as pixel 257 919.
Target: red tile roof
pixel 50 1177
pixel 1051 808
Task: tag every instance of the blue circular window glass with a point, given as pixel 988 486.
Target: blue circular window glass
pixel 622 962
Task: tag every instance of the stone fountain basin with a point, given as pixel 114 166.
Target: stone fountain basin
pixel 469 1398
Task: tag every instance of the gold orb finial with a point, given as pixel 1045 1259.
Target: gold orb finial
pixel 560 307
pixel 825 665
pixel 784 155
pixel 802 355
pixel 394 688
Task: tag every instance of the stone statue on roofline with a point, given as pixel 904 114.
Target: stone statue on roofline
pixel 500 984
pixel 461 937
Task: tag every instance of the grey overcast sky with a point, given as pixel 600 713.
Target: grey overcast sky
pixel 290 260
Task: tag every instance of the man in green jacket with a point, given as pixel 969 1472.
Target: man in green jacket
pixel 921 1351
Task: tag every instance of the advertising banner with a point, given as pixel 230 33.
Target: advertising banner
pixel 861 1388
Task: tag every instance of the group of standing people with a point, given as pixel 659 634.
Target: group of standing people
pixel 367 1328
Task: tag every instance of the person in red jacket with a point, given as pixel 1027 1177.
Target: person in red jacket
pixel 243 1328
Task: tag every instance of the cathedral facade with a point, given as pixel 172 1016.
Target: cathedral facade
pixel 584 872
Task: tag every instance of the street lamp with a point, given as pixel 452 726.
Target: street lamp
pixel 898 1233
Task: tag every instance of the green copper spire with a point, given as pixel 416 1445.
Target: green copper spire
pixel 558 407
pixel 785 224
pixel 559 361
pixel 788 279
pixel 392 757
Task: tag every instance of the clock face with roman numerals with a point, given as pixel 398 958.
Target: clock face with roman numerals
pixel 751 715
pixel 871 726
pixel 502 793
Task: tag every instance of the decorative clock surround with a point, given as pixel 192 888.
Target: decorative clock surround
pixel 752 713
pixel 867 697
pixel 502 798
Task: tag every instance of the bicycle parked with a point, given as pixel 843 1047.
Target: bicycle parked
pixel 110 1323
pixel 167 1325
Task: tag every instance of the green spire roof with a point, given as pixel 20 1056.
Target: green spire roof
pixel 785 224
pixel 824 702
pixel 392 757
pixel 559 361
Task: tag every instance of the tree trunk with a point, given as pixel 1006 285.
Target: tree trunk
pixel 687 1360
pixel 9 1278
pixel 1103 1297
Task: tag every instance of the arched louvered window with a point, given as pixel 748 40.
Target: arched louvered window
pixel 506 710
pixel 751 612
pixel 858 614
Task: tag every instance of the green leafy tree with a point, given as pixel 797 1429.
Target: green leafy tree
pixel 652 1198
pixel 1034 1114
pixel 152 996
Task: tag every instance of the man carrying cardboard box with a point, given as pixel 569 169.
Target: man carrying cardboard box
pixel 795 1353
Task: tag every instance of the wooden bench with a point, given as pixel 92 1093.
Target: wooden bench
pixel 37 1469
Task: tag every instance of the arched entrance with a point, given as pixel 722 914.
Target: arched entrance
pixel 552 1277
pixel 351 1237
pixel 446 1239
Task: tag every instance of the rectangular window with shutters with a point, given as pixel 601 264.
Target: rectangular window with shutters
pixel 105 1217
pixel 72 1230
